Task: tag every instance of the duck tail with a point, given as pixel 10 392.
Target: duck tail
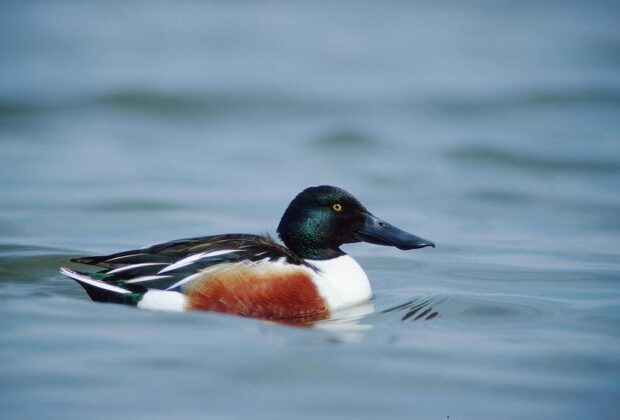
pixel 100 291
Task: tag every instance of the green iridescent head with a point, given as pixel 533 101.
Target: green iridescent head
pixel 320 219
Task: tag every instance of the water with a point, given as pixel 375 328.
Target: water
pixel 490 128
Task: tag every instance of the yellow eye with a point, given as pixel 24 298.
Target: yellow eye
pixel 337 207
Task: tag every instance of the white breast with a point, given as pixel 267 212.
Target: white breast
pixel 341 282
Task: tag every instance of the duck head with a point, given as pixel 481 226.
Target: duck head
pixel 320 219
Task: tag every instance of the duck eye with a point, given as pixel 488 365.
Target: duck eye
pixel 337 207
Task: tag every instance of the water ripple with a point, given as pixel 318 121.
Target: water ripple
pixel 344 139
pixel 420 309
pixel 486 155
pixel 491 104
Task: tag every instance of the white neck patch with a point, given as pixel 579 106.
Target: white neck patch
pixel 341 282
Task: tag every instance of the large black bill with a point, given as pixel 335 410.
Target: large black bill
pixel 377 231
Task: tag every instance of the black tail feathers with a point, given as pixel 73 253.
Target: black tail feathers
pixel 100 291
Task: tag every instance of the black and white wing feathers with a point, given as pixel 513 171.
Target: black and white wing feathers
pixel 162 266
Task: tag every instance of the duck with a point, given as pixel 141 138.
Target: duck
pixel 305 277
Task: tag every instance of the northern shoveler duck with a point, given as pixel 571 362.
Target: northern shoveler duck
pixel 252 275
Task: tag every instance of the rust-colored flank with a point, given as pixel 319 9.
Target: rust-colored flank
pixel 278 294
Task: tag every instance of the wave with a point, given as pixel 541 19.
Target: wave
pixel 495 156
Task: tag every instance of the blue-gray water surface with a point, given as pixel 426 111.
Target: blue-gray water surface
pixel 492 128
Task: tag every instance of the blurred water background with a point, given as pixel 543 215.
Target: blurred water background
pixel 492 128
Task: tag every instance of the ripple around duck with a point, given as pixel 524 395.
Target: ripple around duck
pixel 28 265
pixel 419 309
pixel 24 250
pixel 485 155
pixel 494 310
pixel 463 308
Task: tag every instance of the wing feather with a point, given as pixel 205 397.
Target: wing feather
pixel 164 265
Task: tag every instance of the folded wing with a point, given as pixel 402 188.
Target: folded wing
pixel 168 265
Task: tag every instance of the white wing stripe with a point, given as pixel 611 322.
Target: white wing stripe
pixel 185 280
pixel 146 278
pixel 92 282
pixel 193 258
pixel 130 267
pixel 220 252
pixel 124 256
